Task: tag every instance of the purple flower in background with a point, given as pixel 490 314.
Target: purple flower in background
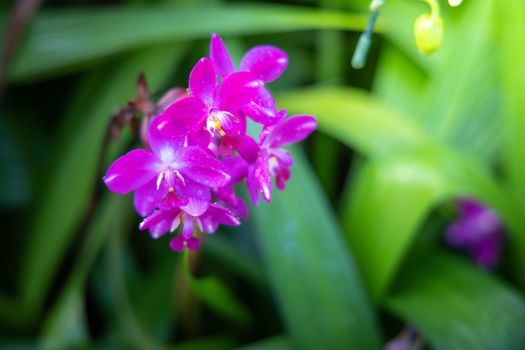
pixel 479 230
pixel 197 148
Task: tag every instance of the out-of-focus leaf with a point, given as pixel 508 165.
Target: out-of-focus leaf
pixel 216 295
pixel 316 284
pixel 457 306
pixel 275 343
pixel 216 342
pixel 66 197
pixel 14 180
pixel 512 19
pixel 355 117
pixel 65 325
pixel 410 169
pixel 62 40
pixel 398 82
pixel 411 183
pixel 462 99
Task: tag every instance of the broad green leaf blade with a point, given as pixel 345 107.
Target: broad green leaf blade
pixel 275 343
pixel 72 177
pixel 512 19
pixel 462 100
pixel 457 306
pixel 398 83
pixel 65 325
pixel 411 183
pixel 220 299
pixel 314 278
pixel 66 39
pixel 355 117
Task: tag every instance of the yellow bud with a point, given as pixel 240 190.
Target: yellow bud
pixel 428 30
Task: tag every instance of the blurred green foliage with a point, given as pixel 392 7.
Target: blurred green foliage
pixel 343 258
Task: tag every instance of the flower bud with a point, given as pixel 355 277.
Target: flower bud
pixel 428 30
pixel 454 3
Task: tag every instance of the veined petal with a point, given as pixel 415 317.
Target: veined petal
pixel 284 158
pixel 247 147
pixel 262 109
pixel 187 228
pixel 259 179
pixel 180 120
pixel 291 130
pixel 237 90
pixel 147 198
pixel 220 57
pixel 216 215
pixel 203 81
pixel 203 168
pixel 160 222
pixel 236 167
pixel 195 206
pixel 132 170
pixel 281 177
pixel 266 62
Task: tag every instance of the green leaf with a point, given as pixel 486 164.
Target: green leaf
pixel 408 168
pixel 512 20
pixel 411 183
pixel 457 306
pixel 356 118
pixel 65 325
pixel 462 100
pixel 275 343
pixel 67 195
pixel 218 297
pixel 314 278
pixel 64 40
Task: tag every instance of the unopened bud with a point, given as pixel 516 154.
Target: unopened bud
pixel 428 30
pixel 454 3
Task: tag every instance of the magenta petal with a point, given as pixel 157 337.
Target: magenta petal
pixel 147 198
pixel 216 215
pixel 177 244
pixel 132 170
pixel 203 81
pixel 236 167
pixel 203 168
pixel 156 217
pixel 291 130
pixel 247 147
pixel 237 90
pixel 266 62
pixel 193 243
pixel 187 228
pixel 160 229
pixel 262 109
pixel 220 57
pixel 195 206
pixel 281 177
pixel 185 116
pixel 259 179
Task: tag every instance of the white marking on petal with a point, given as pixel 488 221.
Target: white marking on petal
pixel 159 180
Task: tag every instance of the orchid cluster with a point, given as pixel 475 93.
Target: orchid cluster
pixel 197 148
pixel 478 230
